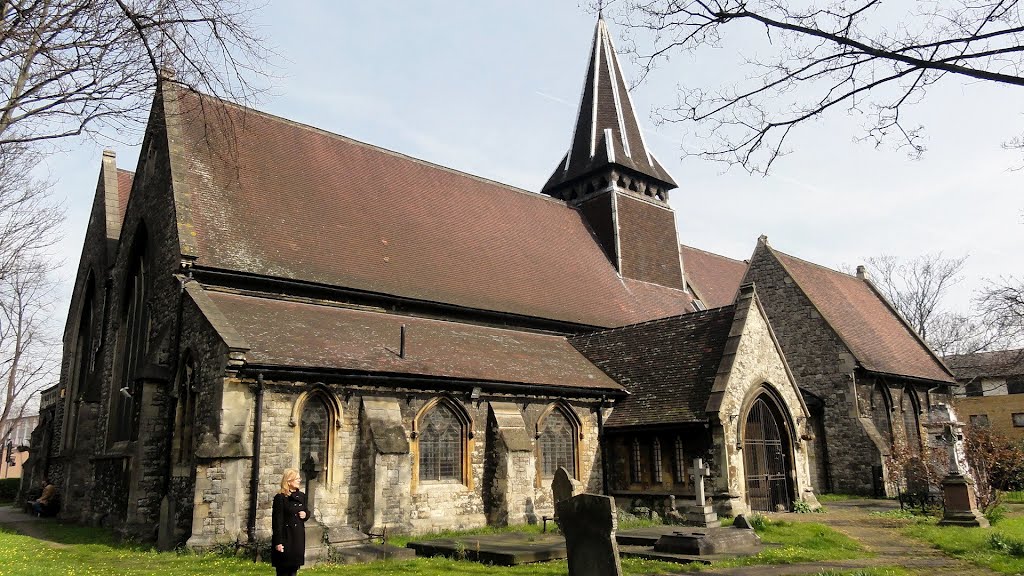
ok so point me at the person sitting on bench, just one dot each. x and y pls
(46, 503)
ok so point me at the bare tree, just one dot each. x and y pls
(69, 67)
(29, 222)
(1001, 302)
(856, 56)
(917, 288)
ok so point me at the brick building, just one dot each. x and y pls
(992, 392)
(261, 294)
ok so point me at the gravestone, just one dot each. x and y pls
(315, 532)
(588, 523)
(564, 486)
(700, 514)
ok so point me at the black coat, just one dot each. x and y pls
(289, 530)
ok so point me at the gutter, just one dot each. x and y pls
(399, 380)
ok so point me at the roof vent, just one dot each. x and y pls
(862, 272)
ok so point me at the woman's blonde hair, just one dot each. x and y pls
(286, 478)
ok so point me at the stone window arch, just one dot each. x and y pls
(81, 365)
(442, 430)
(881, 412)
(130, 347)
(316, 415)
(186, 386)
(656, 461)
(558, 433)
(911, 408)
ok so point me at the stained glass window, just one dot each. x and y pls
(556, 444)
(313, 432)
(440, 440)
(185, 413)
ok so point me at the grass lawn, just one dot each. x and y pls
(826, 498)
(1000, 548)
(78, 551)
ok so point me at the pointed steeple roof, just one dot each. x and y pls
(607, 131)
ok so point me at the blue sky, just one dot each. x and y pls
(491, 88)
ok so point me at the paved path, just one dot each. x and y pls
(14, 519)
(878, 534)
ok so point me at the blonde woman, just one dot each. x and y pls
(289, 536)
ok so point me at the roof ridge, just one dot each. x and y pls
(707, 312)
(737, 260)
(395, 153)
(815, 264)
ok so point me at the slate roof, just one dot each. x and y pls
(876, 335)
(607, 130)
(997, 364)
(295, 334)
(271, 197)
(713, 278)
(668, 365)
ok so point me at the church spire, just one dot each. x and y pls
(607, 146)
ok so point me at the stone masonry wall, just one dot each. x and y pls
(758, 365)
(821, 365)
(350, 496)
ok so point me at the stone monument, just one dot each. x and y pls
(700, 514)
(564, 486)
(961, 503)
(588, 523)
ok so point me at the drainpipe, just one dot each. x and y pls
(601, 443)
(254, 479)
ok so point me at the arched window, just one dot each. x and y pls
(880, 413)
(314, 431)
(81, 367)
(556, 443)
(910, 421)
(184, 417)
(440, 434)
(131, 349)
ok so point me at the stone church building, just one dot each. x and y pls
(428, 346)
(868, 380)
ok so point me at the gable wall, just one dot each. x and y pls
(757, 362)
(68, 468)
(123, 480)
(823, 366)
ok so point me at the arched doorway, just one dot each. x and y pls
(767, 457)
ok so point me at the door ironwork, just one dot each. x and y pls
(765, 460)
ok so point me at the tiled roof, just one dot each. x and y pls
(607, 130)
(1000, 363)
(124, 188)
(874, 332)
(276, 198)
(713, 278)
(305, 335)
(668, 365)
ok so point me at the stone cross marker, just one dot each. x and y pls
(700, 471)
(699, 513)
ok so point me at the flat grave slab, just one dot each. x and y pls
(501, 549)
